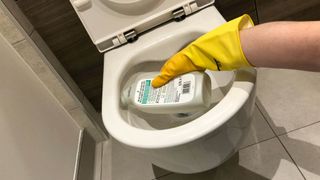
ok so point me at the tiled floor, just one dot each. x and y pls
(283, 143)
(291, 98)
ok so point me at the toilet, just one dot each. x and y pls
(138, 36)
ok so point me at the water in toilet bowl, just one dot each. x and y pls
(220, 82)
(182, 96)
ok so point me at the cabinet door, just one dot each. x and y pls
(38, 139)
(231, 9)
(271, 10)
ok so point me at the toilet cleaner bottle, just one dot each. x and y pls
(185, 94)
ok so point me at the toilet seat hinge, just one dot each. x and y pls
(128, 36)
(131, 36)
(182, 12)
(179, 14)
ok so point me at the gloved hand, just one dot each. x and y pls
(220, 49)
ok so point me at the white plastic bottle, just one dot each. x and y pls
(186, 93)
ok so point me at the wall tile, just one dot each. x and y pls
(277, 10)
(18, 15)
(8, 29)
(35, 61)
(60, 27)
(231, 9)
(308, 14)
(53, 62)
(97, 117)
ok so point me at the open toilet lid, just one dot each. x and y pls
(111, 23)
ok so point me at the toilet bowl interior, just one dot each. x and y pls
(132, 7)
(221, 84)
(151, 59)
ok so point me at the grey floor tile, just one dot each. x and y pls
(259, 130)
(119, 163)
(266, 160)
(304, 147)
(291, 98)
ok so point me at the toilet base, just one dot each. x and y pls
(207, 152)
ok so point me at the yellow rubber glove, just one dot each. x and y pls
(219, 49)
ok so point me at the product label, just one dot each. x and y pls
(179, 90)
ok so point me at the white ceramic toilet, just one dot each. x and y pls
(183, 143)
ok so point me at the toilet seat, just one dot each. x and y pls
(113, 23)
(131, 55)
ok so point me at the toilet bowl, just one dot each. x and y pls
(183, 143)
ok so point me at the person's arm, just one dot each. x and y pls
(290, 45)
(237, 44)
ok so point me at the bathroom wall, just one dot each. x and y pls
(297, 10)
(53, 127)
(231, 9)
(30, 45)
(59, 26)
(39, 140)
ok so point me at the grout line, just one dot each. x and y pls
(73, 108)
(78, 155)
(163, 176)
(291, 158)
(298, 128)
(31, 32)
(101, 162)
(17, 42)
(264, 116)
(257, 13)
(256, 143)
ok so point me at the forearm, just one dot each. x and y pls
(292, 45)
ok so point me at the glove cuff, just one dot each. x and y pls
(221, 46)
(231, 54)
(245, 22)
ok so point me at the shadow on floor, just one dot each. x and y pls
(232, 170)
(304, 154)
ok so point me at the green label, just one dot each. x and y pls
(146, 92)
(179, 90)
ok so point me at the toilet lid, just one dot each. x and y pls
(111, 23)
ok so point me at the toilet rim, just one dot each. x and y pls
(154, 139)
(118, 61)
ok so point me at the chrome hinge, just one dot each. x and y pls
(131, 36)
(179, 14)
(128, 36)
(182, 12)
